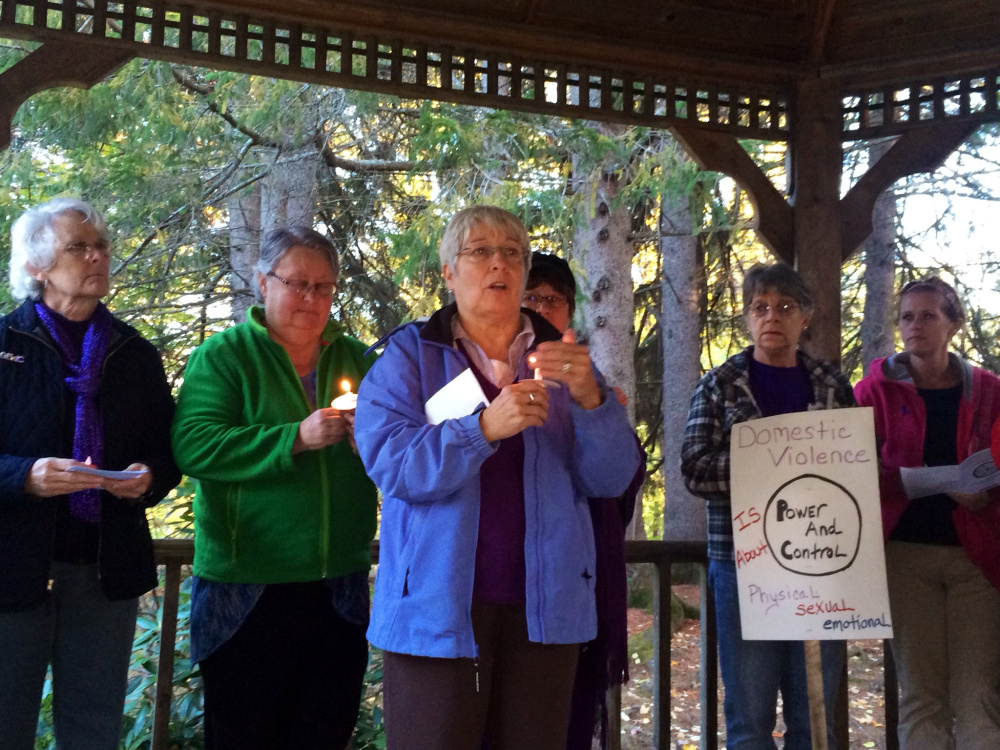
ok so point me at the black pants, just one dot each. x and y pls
(516, 696)
(290, 677)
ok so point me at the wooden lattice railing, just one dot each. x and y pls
(906, 106)
(414, 68)
(176, 556)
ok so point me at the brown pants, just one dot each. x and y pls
(515, 696)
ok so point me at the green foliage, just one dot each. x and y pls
(187, 706)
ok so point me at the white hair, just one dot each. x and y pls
(462, 223)
(32, 241)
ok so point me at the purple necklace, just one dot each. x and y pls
(84, 380)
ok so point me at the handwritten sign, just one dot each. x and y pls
(807, 527)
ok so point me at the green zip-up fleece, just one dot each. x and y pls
(261, 514)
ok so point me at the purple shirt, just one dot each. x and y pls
(780, 390)
(499, 577)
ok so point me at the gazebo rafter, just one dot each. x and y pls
(811, 73)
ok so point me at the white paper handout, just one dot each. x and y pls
(459, 398)
(807, 527)
(106, 473)
(977, 473)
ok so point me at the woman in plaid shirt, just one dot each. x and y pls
(770, 377)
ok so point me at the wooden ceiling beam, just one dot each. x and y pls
(720, 152)
(862, 74)
(920, 150)
(822, 20)
(64, 63)
(488, 34)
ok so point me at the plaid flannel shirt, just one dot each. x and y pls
(721, 400)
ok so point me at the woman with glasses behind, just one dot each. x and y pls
(942, 553)
(284, 513)
(485, 584)
(603, 664)
(79, 390)
(770, 377)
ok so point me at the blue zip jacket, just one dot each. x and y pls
(429, 477)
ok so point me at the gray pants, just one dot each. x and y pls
(946, 620)
(88, 640)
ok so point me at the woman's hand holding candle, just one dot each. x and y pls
(569, 362)
(321, 428)
(519, 405)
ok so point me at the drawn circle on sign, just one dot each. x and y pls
(812, 526)
(986, 469)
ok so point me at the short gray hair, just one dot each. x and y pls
(781, 278)
(278, 242)
(32, 241)
(461, 225)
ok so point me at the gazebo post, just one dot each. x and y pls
(816, 167)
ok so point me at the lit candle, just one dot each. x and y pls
(531, 361)
(547, 382)
(348, 401)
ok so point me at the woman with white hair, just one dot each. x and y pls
(79, 391)
(284, 513)
(486, 573)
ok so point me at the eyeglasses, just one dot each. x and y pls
(782, 309)
(554, 301)
(101, 247)
(303, 288)
(484, 254)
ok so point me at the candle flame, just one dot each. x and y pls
(345, 385)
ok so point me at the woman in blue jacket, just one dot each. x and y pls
(485, 585)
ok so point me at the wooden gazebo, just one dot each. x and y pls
(814, 73)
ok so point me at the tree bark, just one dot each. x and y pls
(879, 251)
(604, 245)
(289, 193)
(244, 249)
(682, 282)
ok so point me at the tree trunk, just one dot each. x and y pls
(244, 249)
(286, 197)
(683, 278)
(877, 324)
(604, 245)
(289, 193)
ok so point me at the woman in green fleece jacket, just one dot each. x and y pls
(284, 512)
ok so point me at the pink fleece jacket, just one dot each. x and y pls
(996, 443)
(900, 424)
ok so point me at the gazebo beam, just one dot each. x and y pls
(816, 157)
(916, 151)
(720, 152)
(54, 64)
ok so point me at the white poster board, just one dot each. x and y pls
(807, 527)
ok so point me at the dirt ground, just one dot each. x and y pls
(866, 689)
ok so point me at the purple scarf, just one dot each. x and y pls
(83, 379)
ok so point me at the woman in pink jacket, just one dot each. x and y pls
(933, 408)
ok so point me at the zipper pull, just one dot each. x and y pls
(475, 664)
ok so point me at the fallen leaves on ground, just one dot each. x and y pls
(866, 690)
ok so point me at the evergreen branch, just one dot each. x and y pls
(205, 91)
(366, 166)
